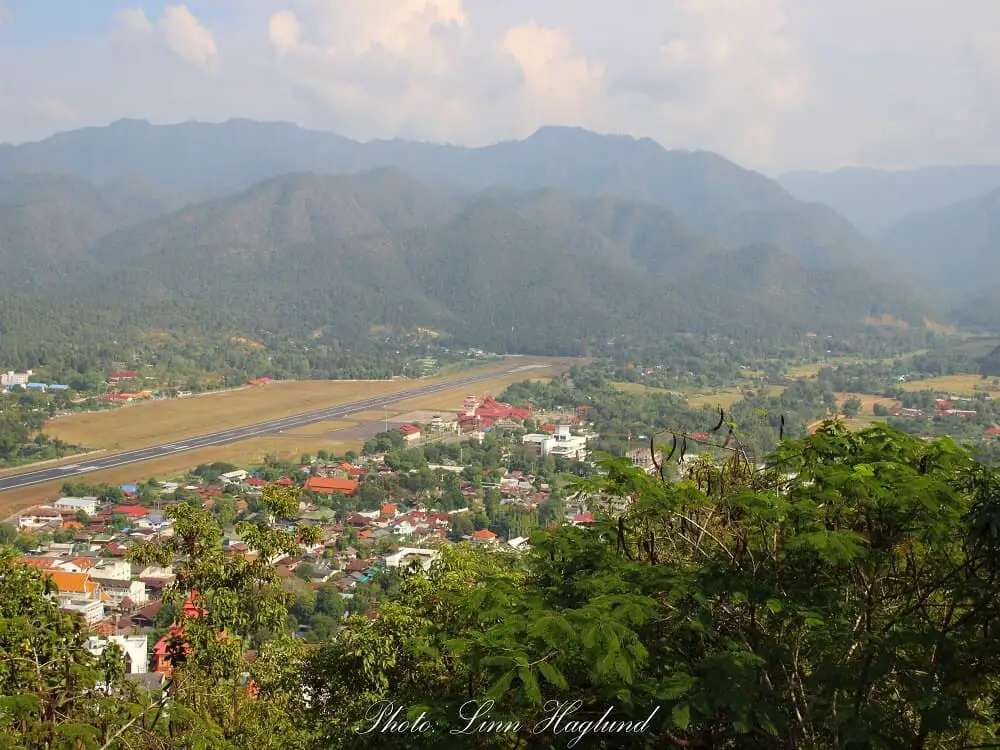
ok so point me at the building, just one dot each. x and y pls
(10, 378)
(411, 433)
(39, 516)
(134, 647)
(78, 592)
(87, 504)
(117, 590)
(408, 555)
(332, 486)
(484, 536)
(232, 477)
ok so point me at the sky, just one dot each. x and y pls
(774, 85)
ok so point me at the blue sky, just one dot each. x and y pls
(772, 84)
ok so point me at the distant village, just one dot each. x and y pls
(87, 536)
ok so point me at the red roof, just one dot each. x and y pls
(331, 485)
(132, 511)
(123, 375)
(255, 482)
(484, 534)
(583, 518)
(285, 482)
(409, 429)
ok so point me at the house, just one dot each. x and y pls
(134, 647)
(411, 433)
(234, 477)
(519, 543)
(77, 592)
(410, 555)
(118, 590)
(484, 536)
(133, 512)
(39, 516)
(332, 486)
(74, 504)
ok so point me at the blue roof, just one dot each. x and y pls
(129, 488)
(59, 387)
(37, 385)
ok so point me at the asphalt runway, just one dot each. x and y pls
(236, 434)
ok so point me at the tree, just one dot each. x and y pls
(8, 533)
(852, 407)
(462, 525)
(304, 571)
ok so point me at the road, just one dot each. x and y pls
(236, 434)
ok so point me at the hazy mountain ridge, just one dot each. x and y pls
(526, 245)
(874, 200)
(192, 162)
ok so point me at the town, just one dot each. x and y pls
(376, 512)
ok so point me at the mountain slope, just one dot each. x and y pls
(48, 221)
(197, 161)
(953, 253)
(873, 200)
(290, 209)
(546, 272)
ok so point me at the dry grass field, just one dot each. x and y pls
(725, 399)
(868, 401)
(166, 421)
(637, 388)
(959, 385)
(159, 422)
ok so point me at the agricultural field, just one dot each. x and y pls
(637, 388)
(868, 401)
(724, 399)
(960, 385)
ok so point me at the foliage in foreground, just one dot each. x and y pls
(842, 598)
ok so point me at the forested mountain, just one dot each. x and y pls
(195, 161)
(290, 209)
(557, 243)
(48, 221)
(545, 272)
(875, 199)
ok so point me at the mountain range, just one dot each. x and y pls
(551, 243)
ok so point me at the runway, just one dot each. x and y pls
(236, 434)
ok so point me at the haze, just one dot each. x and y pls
(773, 84)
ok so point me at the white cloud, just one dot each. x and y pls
(187, 38)
(134, 21)
(774, 84)
(284, 30)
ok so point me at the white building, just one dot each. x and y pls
(231, 477)
(39, 516)
(92, 610)
(11, 378)
(519, 543)
(118, 590)
(87, 504)
(407, 555)
(135, 648)
(562, 444)
(112, 569)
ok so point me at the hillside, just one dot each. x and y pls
(48, 221)
(873, 200)
(951, 253)
(193, 162)
(290, 209)
(545, 272)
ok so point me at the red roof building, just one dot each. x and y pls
(331, 486)
(132, 511)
